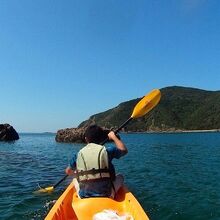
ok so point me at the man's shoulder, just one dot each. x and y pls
(114, 152)
(110, 149)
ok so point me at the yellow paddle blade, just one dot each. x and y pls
(45, 190)
(146, 104)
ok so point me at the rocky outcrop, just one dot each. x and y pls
(75, 135)
(180, 108)
(8, 133)
(70, 135)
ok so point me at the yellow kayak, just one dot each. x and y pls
(70, 207)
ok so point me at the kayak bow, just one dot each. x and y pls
(70, 207)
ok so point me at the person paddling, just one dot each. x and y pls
(95, 173)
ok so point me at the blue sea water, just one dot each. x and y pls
(173, 176)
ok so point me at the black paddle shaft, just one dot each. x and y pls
(116, 131)
(60, 181)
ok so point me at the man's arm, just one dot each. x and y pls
(119, 144)
(70, 170)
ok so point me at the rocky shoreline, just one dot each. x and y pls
(76, 135)
(171, 132)
(192, 131)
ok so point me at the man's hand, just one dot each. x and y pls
(112, 136)
(69, 171)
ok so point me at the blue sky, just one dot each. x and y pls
(63, 61)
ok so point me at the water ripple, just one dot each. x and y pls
(173, 176)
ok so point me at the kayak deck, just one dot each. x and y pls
(85, 209)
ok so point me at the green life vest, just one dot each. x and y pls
(92, 163)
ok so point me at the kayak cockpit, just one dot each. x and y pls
(70, 207)
(123, 204)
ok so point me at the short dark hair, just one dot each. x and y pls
(94, 134)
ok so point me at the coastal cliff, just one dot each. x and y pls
(180, 109)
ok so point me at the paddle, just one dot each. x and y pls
(51, 188)
(147, 103)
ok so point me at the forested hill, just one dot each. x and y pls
(180, 108)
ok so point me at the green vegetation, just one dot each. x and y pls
(180, 108)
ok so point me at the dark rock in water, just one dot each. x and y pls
(8, 133)
(75, 135)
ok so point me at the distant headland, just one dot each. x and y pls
(181, 109)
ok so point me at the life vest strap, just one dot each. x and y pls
(92, 171)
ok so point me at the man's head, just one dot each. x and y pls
(94, 134)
